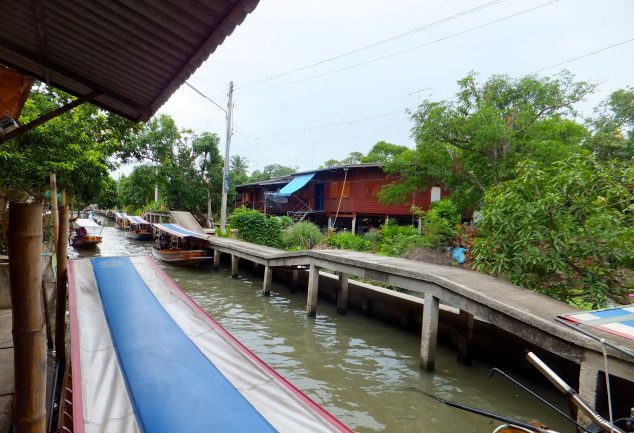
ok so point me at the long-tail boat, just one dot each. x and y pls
(178, 245)
(119, 220)
(146, 358)
(137, 228)
(86, 233)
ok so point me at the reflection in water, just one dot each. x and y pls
(363, 371)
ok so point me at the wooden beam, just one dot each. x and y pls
(46, 117)
(465, 337)
(342, 293)
(313, 288)
(60, 312)
(268, 278)
(29, 335)
(234, 265)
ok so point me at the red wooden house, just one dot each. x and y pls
(343, 197)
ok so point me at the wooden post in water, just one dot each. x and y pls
(54, 217)
(313, 288)
(60, 303)
(465, 337)
(429, 332)
(216, 259)
(342, 294)
(29, 335)
(234, 266)
(268, 278)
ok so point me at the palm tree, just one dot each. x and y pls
(239, 165)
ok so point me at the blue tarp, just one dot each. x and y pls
(173, 386)
(297, 183)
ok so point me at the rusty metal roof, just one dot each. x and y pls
(133, 54)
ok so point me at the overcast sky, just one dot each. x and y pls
(283, 124)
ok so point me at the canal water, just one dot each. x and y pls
(361, 370)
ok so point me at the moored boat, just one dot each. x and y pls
(177, 245)
(136, 227)
(86, 233)
(133, 330)
(119, 220)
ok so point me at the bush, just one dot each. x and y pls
(304, 235)
(253, 226)
(286, 221)
(566, 230)
(374, 237)
(348, 241)
(440, 223)
(398, 240)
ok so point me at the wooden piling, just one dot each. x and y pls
(216, 260)
(342, 294)
(429, 332)
(234, 266)
(29, 335)
(60, 303)
(465, 337)
(268, 278)
(313, 288)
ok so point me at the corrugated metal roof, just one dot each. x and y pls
(133, 54)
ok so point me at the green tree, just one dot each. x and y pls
(239, 165)
(476, 141)
(137, 189)
(205, 146)
(383, 152)
(613, 127)
(271, 171)
(566, 230)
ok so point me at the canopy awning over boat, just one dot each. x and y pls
(120, 215)
(85, 222)
(181, 232)
(174, 367)
(136, 220)
(297, 183)
(617, 321)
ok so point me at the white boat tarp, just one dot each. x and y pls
(166, 341)
(85, 222)
(136, 220)
(181, 232)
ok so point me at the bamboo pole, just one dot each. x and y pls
(29, 337)
(60, 304)
(54, 207)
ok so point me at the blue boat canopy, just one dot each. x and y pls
(297, 183)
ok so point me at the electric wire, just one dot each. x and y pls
(376, 59)
(375, 44)
(204, 96)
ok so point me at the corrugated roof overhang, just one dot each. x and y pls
(132, 54)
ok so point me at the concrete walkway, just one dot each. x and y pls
(519, 311)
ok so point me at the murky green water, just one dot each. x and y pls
(363, 371)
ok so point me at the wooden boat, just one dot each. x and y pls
(134, 331)
(177, 245)
(86, 233)
(136, 227)
(119, 220)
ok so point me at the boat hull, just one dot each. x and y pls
(86, 241)
(181, 257)
(138, 235)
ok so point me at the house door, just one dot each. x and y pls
(319, 196)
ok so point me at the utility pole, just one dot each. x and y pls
(225, 178)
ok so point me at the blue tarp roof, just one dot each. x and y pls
(297, 183)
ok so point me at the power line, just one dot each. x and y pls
(381, 42)
(331, 125)
(376, 59)
(584, 55)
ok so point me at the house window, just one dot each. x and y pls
(335, 189)
(435, 193)
(372, 189)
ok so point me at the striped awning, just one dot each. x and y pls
(136, 220)
(181, 232)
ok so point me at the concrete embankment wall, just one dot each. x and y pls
(502, 349)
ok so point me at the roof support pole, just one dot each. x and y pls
(60, 313)
(29, 336)
(46, 117)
